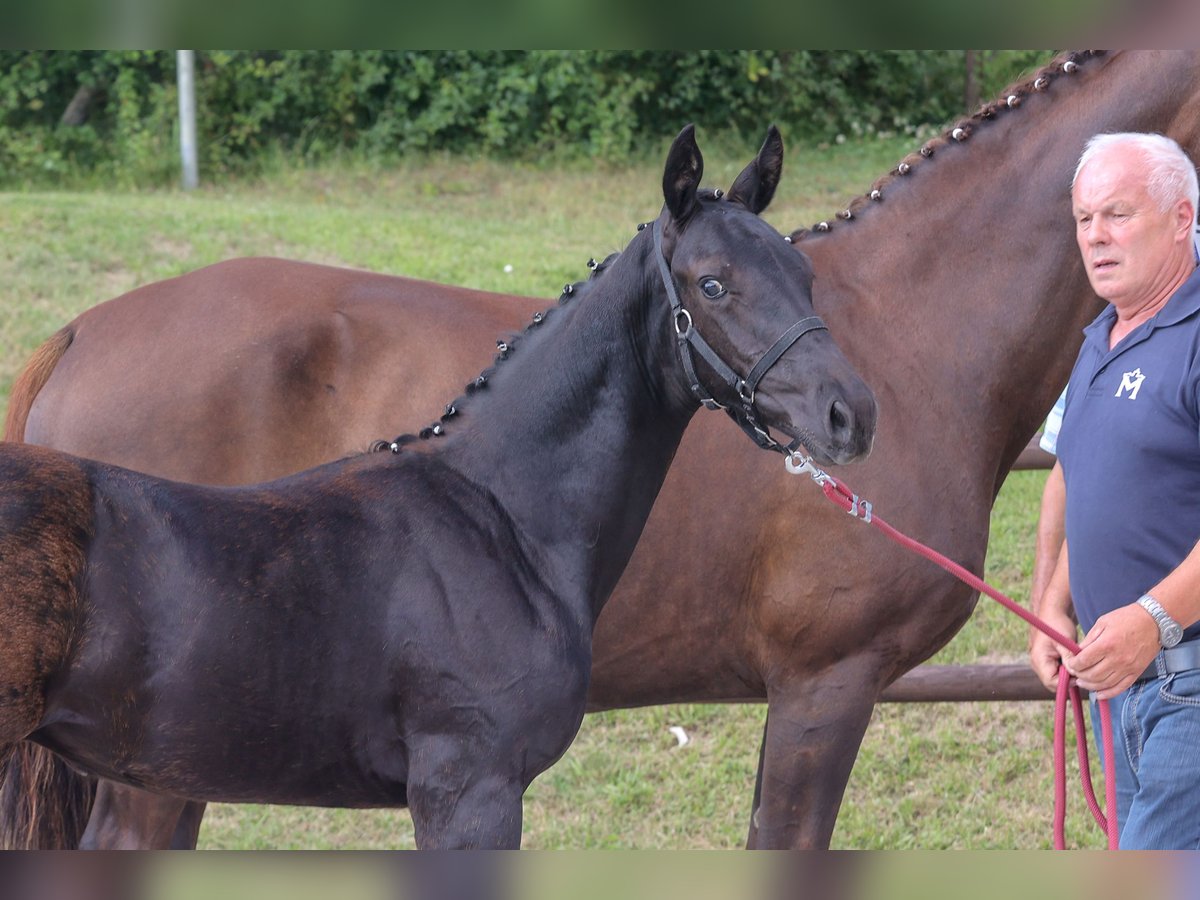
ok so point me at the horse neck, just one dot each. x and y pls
(574, 432)
(960, 296)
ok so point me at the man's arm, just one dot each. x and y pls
(1051, 533)
(1053, 608)
(1123, 642)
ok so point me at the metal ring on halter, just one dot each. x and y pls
(680, 314)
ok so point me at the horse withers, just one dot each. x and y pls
(412, 627)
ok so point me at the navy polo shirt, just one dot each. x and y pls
(1130, 452)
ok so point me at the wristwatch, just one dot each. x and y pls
(1170, 632)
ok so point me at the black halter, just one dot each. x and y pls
(688, 339)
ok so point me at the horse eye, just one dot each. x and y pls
(712, 288)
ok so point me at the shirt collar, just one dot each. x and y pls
(1182, 304)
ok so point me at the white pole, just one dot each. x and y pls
(185, 64)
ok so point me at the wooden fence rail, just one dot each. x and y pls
(955, 684)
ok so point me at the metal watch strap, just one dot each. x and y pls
(1169, 631)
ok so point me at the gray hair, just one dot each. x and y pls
(1170, 174)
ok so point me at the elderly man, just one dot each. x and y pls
(1129, 462)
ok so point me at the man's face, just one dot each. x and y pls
(1131, 249)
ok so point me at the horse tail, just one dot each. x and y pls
(32, 379)
(44, 803)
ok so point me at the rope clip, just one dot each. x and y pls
(860, 508)
(798, 464)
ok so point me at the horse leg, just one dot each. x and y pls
(461, 795)
(812, 737)
(187, 832)
(125, 818)
(482, 814)
(752, 835)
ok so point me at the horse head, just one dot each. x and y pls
(741, 297)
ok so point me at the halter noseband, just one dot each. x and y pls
(689, 339)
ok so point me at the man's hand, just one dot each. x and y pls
(1045, 655)
(1115, 652)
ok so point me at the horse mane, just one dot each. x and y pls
(1009, 100)
(505, 346)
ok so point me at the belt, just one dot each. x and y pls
(1180, 658)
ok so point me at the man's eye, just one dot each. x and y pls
(712, 288)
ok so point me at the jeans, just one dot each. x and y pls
(1156, 745)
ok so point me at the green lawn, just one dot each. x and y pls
(953, 775)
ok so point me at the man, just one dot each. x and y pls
(1129, 461)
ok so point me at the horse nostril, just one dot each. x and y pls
(840, 418)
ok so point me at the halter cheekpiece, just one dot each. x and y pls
(687, 339)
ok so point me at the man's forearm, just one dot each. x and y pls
(1050, 535)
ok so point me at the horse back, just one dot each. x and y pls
(299, 361)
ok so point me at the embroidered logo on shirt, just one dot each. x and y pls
(1131, 383)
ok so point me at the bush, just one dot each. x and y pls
(594, 104)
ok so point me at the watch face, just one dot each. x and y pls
(1171, 635)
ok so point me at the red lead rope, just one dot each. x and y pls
(851, 503)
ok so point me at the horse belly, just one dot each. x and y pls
(323, 702)
(284, 730)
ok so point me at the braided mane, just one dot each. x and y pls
(505, 346)
(1010, 99)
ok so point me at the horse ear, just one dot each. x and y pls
(755, 187)
(681, 177)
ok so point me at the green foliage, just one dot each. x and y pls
(313, 105)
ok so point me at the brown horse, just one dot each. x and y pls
(413, 628)
(957, 291)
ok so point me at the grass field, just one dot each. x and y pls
(934, 776)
